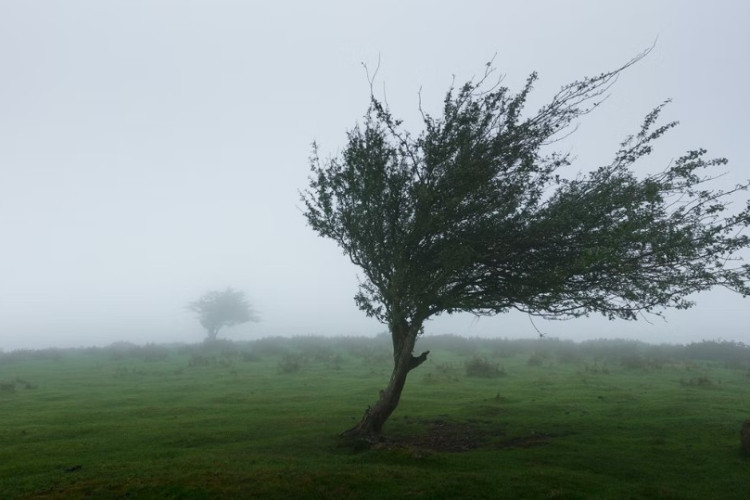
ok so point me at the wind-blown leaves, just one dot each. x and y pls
(470, 215)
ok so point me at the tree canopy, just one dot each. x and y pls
(473, 213)
(219, 309)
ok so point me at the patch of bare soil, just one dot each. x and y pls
(456, 437)
(443, 436)
(450, 436)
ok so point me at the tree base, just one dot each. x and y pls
(357, 441)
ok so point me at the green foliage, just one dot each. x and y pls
(481, 367)
(701, 381)
(219, 309)
(536, 359)
(473, 214)
(442, 373)
(290, 363)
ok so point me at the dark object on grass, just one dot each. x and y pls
(480, 367)
(745, 437)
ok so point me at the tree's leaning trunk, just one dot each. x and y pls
(371, 425)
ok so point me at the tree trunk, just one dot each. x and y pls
(371, 425)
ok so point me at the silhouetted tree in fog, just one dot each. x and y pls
(473, 214)
(219, 309)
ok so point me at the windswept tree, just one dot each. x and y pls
(219, 309)
(474, 214)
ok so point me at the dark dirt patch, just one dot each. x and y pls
(451, 436)
(445, 436)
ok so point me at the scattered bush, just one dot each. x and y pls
(270, 346)
(201, 360)
(250, 356)
(702, 381)
(11, 384)
(596, 369)
(481, 367)
(372, 355)
(25, 383)
(153, 352)
(536, 359)
(120, 350)
(636, 362)
(336, 361)
(290, 363)
(443, 372)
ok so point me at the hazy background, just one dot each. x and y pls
(153, 150)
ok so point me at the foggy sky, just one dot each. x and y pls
(153, 150)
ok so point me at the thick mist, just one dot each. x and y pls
(152, 151)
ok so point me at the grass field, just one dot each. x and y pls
(543, 419)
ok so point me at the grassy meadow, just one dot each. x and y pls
(482, 418)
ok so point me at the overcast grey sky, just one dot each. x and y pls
(153, 150)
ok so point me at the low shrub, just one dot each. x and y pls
(596, 369)
(481, 367)
(201, 360)
(336, 361)
(250, 356)
(290, 363)
(154, 352)
(702, 381)
(9, 386)
(443, 372)
(536, 359)
(636, 362)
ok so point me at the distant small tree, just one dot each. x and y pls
(217, 309)
(474, 214)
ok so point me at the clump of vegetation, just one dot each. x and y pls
(250, 356)
(11, 384)
(154, 352)
(443, 372)
(596, 369)
(126, 350)
(371, 354)
(290, 363)
(481, 367)
(201, 360)
(636, 362)
(536, 359)
(336, 361)
(701, 381)
(120, 350)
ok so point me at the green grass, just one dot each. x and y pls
(191, 422)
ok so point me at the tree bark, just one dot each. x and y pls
(370, 426)
(212, 334)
